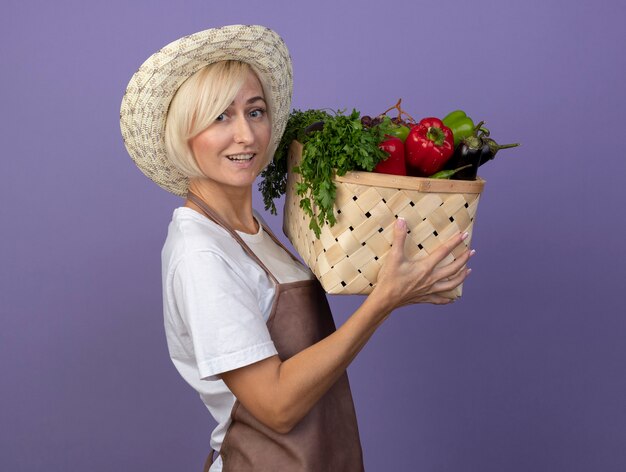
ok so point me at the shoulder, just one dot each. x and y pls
(197, 249)
(196, 231)
(190, 233)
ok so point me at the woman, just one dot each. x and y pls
(247, 325)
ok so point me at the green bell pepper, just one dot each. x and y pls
(461, 125)
(396, 130)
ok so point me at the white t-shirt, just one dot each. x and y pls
(216, 302)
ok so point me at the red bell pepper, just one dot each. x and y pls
(428, 147)
(395, 163)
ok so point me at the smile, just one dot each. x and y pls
(240, 157)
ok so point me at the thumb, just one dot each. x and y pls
(399, 237)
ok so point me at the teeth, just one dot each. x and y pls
(241, 157)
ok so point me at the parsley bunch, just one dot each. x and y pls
(342, 145)
(274, 175)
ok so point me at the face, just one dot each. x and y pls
(232, 151)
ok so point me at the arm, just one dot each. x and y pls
(279, 394)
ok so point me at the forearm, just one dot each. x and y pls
(306, 377)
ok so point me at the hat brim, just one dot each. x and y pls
(147, 99)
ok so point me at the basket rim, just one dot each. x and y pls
(420, 184)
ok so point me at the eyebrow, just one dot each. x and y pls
(251, 100)
(254, 99)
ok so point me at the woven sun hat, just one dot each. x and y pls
(147, 99)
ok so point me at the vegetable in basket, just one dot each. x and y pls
(428, 147)
(274, 176)
(334, 144)
(399, 131)
(460, 124)
(343, 144)
(395, 163)
(446, 174)
(397, 126)
(331, 142)
(473, 152)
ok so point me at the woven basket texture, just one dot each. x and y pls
(347, 256)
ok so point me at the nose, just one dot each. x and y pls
(242, 133)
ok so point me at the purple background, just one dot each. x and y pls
(527, 372)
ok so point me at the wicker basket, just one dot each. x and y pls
(347, 256)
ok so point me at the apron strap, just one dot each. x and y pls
(208, 462)
(277, 241)
(220, 222)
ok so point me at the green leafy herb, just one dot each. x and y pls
(274, 177)
(342, 145)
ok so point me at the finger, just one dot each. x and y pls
(451, 283)
(439, 300)
(431, 298)
(453, 268)
(446, 248)
(399, 238)
(457, 272)
(445, 279)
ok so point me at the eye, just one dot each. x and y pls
(257, 113)
(221, 117)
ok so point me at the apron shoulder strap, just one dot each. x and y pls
(277, 241)
(219, 221)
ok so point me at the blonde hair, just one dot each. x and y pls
(196, 105)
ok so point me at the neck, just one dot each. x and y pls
(232, 204)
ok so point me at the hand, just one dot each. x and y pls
(404, 281)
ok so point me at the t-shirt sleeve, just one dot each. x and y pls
(221, 313)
